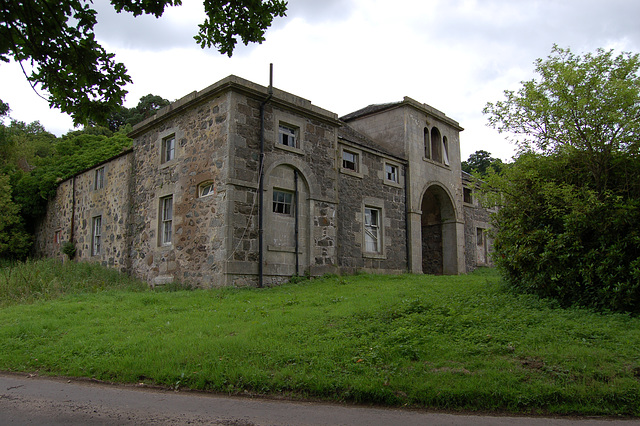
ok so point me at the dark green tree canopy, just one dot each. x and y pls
(56, 39)
(480, 162)
(147, 106)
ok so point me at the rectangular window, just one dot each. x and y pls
(282, 202)
(98, 182)
(205, 189)
(168, 148)
(350, 161)
(166, 213)
(96, 237)
(288, 136)
(391, 172)
(57, 237)
(372, 230)
(468, 198)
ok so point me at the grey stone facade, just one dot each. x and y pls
(379, 190)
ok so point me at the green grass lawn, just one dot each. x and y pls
(455, 343)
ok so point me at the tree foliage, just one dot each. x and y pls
(567, 227)
(32, 163)
(147, 106)
(57, 39)
(480, 162)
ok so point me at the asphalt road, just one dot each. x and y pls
(32, 400)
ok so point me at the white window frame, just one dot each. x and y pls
(98, 181)
(166, 220)
(288, 135)
(206, 189)
(372, 230)
(283, 202)
(391, 172)
(96, 235)
(346, 161)
(168, 148)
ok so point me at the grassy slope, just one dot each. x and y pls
(444, 342)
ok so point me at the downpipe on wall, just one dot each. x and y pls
(261, 184)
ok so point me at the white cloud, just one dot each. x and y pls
(455, 55)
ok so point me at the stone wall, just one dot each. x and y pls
(312, 162)
(368, 187)
(111, 203)
(197, 252)
(477, 248)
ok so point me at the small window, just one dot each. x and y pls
(468, 198)
(372, 230)
(57, 237)
(282, 202)
(166, 211)
(436, 145)
(96, 237)
(205, 189)
(168, 148)
(427, 144)
(445, 151)
(98, 182)
(480, 236)
(350, 161)
(391, 172)
(288, 135)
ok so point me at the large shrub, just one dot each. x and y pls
(568, 224)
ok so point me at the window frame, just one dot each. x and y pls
(372, 230)
(355, 161)
(96, 235)
(284, 206)
(467, 199)
(290, 132)
(166, 221)
(168, 149)
(395, 171)
(98, 178)
(206, 184)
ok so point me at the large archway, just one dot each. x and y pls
(438, 226)
(287, 225)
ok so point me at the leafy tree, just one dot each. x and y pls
(82, 78)
(480, 162)
(147, 106)
(14, 241)
(570, 203)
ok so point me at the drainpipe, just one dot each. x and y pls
(406, 217)
(296, 196)
(261, 184)
(73, 208)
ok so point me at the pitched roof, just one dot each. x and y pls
(348, 133)
(369, 110)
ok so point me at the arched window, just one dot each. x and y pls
(445, 150)
(436, 145)
(427, 148)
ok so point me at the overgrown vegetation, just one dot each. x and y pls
(570, 203)
(33, 162)
(32, 281)
(455, 343)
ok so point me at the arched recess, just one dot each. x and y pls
(439, 232)
(436, 145)
(287, 221)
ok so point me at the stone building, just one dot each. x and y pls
(379, 190)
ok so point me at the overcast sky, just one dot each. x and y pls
(342, 55)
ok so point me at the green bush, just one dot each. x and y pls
(565, 241)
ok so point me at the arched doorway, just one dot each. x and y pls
(287, 226)
(439, 241)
